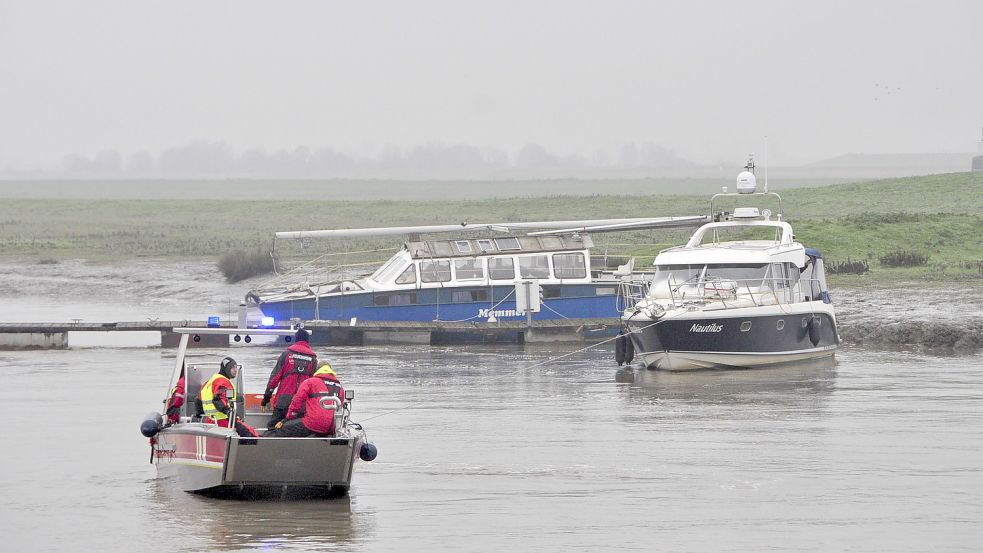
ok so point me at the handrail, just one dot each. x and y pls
(781, 211)
(766, 287)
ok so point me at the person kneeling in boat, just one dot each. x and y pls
(294, 366)
(312, 411)
(218, 395)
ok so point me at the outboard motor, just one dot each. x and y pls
(151, 425)
(368, 452)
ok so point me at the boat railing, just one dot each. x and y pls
(630, 292)
(609, 256)
(737, 293)
(324, 269)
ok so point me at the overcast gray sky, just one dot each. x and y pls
(707, 79)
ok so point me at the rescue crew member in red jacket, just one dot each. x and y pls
(312, 411)
(294, 366)
(173, 408)
(216, 401)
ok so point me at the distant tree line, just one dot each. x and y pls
(205, 158)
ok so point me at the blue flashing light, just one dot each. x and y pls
(214, 321)
(267, 321)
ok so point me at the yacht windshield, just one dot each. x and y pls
(676, 275)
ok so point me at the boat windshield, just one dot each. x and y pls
(389, 270)
(676, 275)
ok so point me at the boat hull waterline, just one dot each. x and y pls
(689, 340)
(210, 460)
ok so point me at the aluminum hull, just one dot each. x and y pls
(210, 460)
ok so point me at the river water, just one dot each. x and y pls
(497, 449)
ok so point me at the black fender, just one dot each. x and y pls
(620, 348)
(813, 328)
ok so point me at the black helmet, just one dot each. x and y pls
(302, 335)
(226, 366)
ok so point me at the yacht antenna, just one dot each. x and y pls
(750, 163)
(766, 164)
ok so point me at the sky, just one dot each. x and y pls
(710, 80)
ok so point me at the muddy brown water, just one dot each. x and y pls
(494, 449)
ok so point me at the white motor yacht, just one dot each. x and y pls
(741, 293)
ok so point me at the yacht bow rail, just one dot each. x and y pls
(731, 293)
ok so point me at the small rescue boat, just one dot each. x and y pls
(208, 459)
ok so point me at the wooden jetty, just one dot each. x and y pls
(55, 335)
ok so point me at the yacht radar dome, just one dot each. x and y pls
(746, 183)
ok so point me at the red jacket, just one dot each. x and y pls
(174, 403)
(294, 366)
(318, 418)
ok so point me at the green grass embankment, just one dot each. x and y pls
(937, 215)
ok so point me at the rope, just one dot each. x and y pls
(534, 365)
(554, 311)
(509, 295)
(592, 346)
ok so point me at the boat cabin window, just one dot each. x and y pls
(742, 273)
(468, 269)
(507, 244)
(784, 275)
(467, 296)
(463, 246)
(394, 299)
(569, 265)
(435, 271)
(534, 266)
(501, 268)
(552, 291)
(390, 269)
(675, 275)
(742, 234)
(408, 276)
(486, 245)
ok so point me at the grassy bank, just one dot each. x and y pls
(939, 216)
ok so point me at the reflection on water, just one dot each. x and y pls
(231, 525)
(804, 382)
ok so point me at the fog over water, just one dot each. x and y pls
(680, 83)
(493, 448)
(503, 448)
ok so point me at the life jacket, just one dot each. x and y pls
(300, 359)
(208, 396)
(298, 364)
(333, 390)
(312, 402)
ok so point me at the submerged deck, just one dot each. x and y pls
(55, 335)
